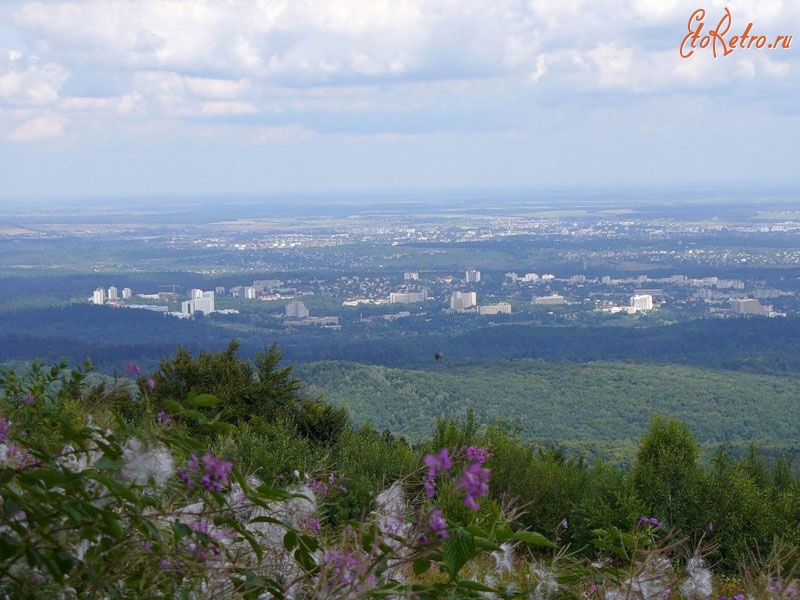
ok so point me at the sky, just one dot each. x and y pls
(117, 98)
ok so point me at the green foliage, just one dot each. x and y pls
(666, 475)
(595, 402)
(265, 391)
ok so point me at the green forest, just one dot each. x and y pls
(604, 401)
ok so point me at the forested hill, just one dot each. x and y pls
(112, 336)
(560, 401)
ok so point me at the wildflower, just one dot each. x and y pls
(193, 464)
(3, 430)
(474, 482)
(216, 472)
(133, 369)
(710, 527)
(429, 486)
(437, 525)
(477, 454)
(564, 523)
(310, 525)
(151, 384)
(648, 521)
(141, 465)
(438, 463)
(200, 526)
(164, 418)
(30, 399)
(346, 567)
(319, 488)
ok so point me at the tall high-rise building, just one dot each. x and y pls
(250, 293)
(747, 306)
(463, 300)
(642, 302)
(472, 276)
(200, 302)
(127, 293)
(296, 310)
(112, 293)
(99, 296)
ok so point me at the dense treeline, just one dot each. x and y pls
(741, 504)
(754, 345)
(564, 401)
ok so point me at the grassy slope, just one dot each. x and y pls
(593, 401)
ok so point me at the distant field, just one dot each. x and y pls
(610, 401)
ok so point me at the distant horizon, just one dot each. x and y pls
(423, 193)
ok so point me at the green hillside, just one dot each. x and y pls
(592, 401)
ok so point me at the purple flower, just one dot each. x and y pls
(185, 478)
(648, 521)
(30, 399)
(438, 463)
(738, 597)
(151, 384)
(193, 463)
(133, 369)
(653, 521)
(429, 486)
(164, 418)
(474, 482)
(593, 590)
(345, 567)
(710, 527)
(564, 523)
(477, 454)
(437, 525)
(319, 488)
(216, 472)
(200, 526)
(312, 525)
(3, 430)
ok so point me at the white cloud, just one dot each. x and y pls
(34, 85)
(46, 127)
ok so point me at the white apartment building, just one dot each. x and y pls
(463, 300)
(201, 301)
(642, 302)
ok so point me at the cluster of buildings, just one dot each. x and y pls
(100, 295)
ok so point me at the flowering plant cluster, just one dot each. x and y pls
(95, 506)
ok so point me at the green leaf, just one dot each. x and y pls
(113, 525)
(205, 400)
(474, 585)
(485, 544)
(174, 407)
(459, 549)
(533, 538)
(109, 464)
(421, 565)
(290, 541)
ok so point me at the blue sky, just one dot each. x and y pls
(118, 98)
